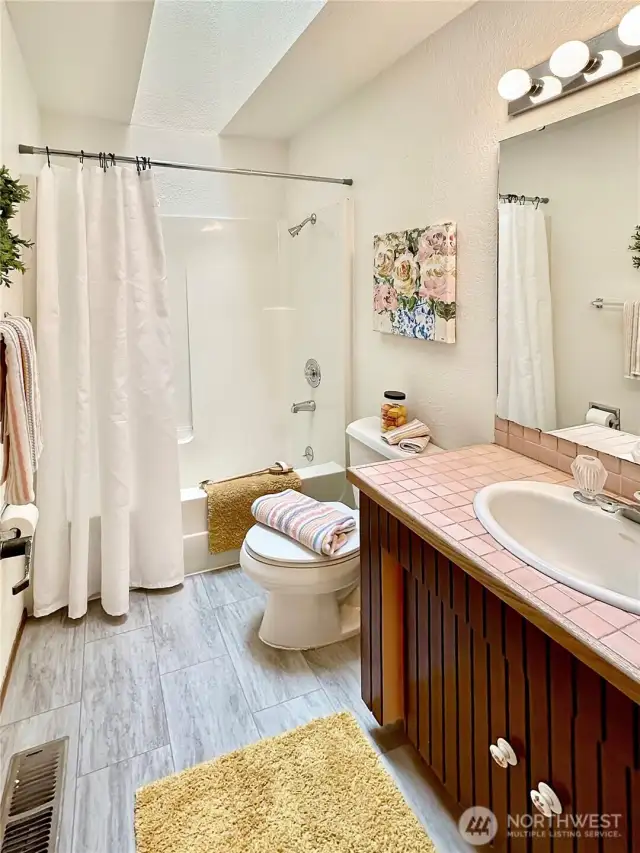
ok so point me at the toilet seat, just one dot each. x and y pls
(272, 548)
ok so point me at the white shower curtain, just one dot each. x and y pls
(108, 484)
(526, 373)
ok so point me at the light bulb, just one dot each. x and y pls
(515, 84)
(551, 88)
(610, 62)
(629, 28)
(570, 59)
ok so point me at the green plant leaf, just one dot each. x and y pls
(12, 194)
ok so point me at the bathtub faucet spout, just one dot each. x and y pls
(306, 406)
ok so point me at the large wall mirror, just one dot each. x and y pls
(568, 291)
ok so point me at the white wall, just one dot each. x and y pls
(19, 119)
(421, 144)
(589, 167)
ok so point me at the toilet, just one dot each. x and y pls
(313, 600)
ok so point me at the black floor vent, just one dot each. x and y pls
(32, 798)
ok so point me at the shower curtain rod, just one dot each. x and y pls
(515, 199)
(165, 164)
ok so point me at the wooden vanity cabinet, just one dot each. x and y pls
(462, 668)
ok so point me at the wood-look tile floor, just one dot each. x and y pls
(179, 680)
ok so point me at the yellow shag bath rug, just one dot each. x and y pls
(317, 789)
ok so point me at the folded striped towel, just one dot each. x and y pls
(315, 525)
(632, 340)
(414, 445)
(414, 429)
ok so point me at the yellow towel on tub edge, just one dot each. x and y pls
(229, 505)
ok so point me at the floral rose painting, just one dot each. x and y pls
(414, 283)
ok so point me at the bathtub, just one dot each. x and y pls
(325, 482)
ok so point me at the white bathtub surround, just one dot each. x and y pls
(108, 486)
(526, 371)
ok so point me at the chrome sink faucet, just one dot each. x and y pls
(609, 504)
(305, 406)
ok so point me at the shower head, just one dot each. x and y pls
(298, 228)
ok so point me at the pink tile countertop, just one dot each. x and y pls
(438, 491)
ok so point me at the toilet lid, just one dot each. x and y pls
(270, 546)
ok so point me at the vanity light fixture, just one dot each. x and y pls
(516, 84)
(551, 88)
(571, 58)
(574, 65)
(610, 63)
(629, 28)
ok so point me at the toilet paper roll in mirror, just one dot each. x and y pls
(25, 518)
(597, 416)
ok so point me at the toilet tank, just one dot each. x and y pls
(366, 446)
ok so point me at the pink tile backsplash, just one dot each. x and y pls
(439, 490)
(629, 488)
(567, 448)
(516, 444)
(624, 476)
(532, 435)
(630, 470)
(611, 463)
(614, 483)
(531, 450)
(548, 456)
(502, 438)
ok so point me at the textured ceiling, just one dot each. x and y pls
(83, 58)
(347, 44)
(204, 58)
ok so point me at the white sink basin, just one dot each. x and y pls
(581, 546)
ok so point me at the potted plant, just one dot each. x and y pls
(12, 194)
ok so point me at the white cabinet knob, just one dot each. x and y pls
(502, 753)
(546, 800)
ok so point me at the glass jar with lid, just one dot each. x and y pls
(393, 412)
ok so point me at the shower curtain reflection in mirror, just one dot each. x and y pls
(526, 373)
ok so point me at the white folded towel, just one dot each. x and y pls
(414, 445)
(414, 429)
(632, 340)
